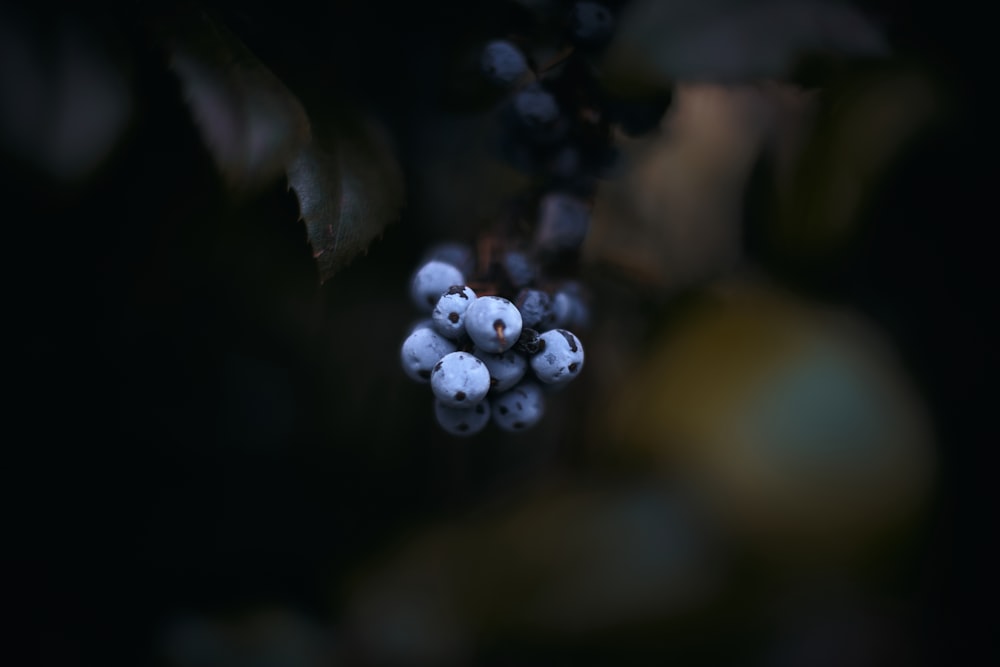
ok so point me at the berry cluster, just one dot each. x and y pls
(498, 333)
(484, 355)
(557, 113)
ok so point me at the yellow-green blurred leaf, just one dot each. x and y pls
(574, 561)
(795, 420)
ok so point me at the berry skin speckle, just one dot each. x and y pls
(562, 358)
(458, 381)
(520, 408)
(493, 323)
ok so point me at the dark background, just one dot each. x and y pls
(202, 426)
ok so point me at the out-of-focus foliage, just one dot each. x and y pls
(728, 41)
(795, 421)
(65, 93)
(574, 563)
(744, 474)
(251, 123)
(261, 638)
(674, 217)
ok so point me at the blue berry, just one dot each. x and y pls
(592, 22)
(563, 221)
(559, 358)
(536, 106)
(519, 408)
(460, 380)
(519, 268)
(503, 62)
(449, 313)
(432, 280)
(536, 309)
(462, 421)
(421, 350)
(570, 307)
(493, 323)
(505, 369)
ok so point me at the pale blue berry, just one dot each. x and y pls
(493, 323)
(460, 380)
(421, 350)
(505, 369)
(536, 309)
(449, 313)
(432, 280)
(559, 358)
(519, 408)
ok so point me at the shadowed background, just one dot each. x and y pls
(777, 455)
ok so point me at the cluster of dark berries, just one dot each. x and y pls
(557, 115)
(489, 357)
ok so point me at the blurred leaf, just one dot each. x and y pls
(572, 562)
(734, 40)
(250, 122)
(866, 121)
(349, 187)
(797, 421)
(339, 164)
(64, 96)
(673, 218)
(260, 638)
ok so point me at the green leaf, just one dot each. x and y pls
(339, 164)
(349, 186)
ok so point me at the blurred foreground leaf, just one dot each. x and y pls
(729, 41)
(796, 421)
(265, 638)
(574, 564)
(65, 98)
(250, 122)
(674, 217)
